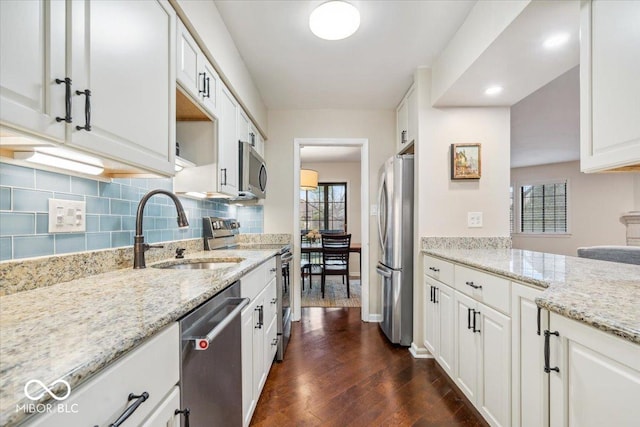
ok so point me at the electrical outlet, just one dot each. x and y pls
(67, 216)
(474, 219)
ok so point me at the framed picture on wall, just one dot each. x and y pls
(465, 161)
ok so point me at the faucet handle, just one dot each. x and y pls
(148, 246)
(180, 252)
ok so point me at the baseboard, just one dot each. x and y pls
(375, 318)
(419, 352)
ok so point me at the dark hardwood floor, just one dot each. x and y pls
(339, 371)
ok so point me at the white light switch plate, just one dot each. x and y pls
(474, 219)
(67, 216)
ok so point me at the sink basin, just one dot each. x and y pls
(209, 264)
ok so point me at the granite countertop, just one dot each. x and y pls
(602, 294)
(72, 330)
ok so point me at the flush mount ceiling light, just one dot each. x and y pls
(308, 179)
(556, 40)
(493, 90)
(334, 20)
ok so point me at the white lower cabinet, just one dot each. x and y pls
(153, 368)
(597, 381)
(483, 358)
(259, 332)
(439, 323)
(530, 385)
(165, 414)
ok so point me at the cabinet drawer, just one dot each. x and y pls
(270, 267)
(252, 283)
(439, 269)
(153, 367)
(486, 288)
(270, 302)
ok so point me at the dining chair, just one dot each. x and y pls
(335, 258)
(305, 262)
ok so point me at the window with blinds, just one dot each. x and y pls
(543, 208)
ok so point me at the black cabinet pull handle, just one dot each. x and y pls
(538, 320)
(472, 285)
(67, 100)
(260, 310)
(141, 398)
(435, 295)
(430, 293)
(474, 322)
(223, 172)
(208, 86)
(185, 412)
(403, 137)
(469, 310)
(87, 110)
(547, 351)
(204, 83)
(435, 270)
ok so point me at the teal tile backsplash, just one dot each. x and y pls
(111, 211)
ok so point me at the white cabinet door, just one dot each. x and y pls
(598, 382)
(494, 397)
(32, 41)
(431, 339)
(244, 125)
(248, 395)
(467, 359)
(228, 144)
(211, 85)
(123, 53)
(609, 85)
(445, 301)
(259, 375)
(402, 125)
(412, 116)
(187, 62)
(530, 385)
(165, 414)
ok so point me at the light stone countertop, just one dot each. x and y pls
(74, 329)
(602, 294)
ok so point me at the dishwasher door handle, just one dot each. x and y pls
(203, 342)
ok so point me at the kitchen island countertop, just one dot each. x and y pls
(73, 330)
(602, 294)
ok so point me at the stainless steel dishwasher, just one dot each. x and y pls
(211, 371)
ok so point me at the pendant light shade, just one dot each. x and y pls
(308, 179)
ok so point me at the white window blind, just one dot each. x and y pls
(543, 208)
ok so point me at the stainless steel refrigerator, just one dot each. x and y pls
(395, 232)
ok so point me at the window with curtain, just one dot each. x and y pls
(325, 208)
(543, 208)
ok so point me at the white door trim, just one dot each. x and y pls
(363, 143)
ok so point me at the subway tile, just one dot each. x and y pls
(93, 223)
(153, 236)
(52, 181)
(97, 205)
(98, 241)
(120, 207)
(31, 246)
(31, 200)
(5, 198)
(121, 238)
(161, 223)
(152, 210)
(129, 223)
(73, 242)
(169, 211)
(130, 193)
(110, 223)
(68, 196)
(12, 224)
(17, 176)
(167, 235)
(42, 223)
(84, 186)
(6, 250)
(123, 181)
(109, 189)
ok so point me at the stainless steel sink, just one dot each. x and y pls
(210, 264)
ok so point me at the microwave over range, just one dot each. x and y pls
(252, 173)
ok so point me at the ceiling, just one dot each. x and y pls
(332, 154)
(293, 69)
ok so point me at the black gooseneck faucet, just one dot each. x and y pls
(139, 246)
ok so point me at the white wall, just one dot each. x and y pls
(203, 16)
(378, 126)
(348, 172)
(595, 204)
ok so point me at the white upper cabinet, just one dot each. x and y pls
(609, 85)
(30, 98)
(407, 120)
(228, 144)
(244, 125)
(123, 71)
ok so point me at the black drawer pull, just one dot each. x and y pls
(547, 334)
(435, 270)
(185, 412)
(141, 398)
(472, 285)
(87, 110)
(67, 100)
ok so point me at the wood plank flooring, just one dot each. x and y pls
(339, 371)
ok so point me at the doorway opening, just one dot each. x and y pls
(339, 204)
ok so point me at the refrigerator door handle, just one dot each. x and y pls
(383, 272)
(380, 202)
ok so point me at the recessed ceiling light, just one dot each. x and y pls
(556, 40)
(493, 90)
(334, 20)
